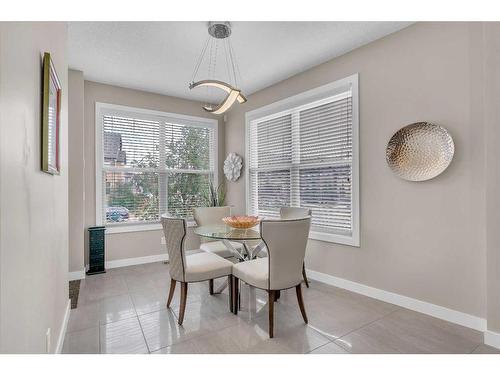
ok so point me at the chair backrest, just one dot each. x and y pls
(286, 242)
(294, 212)
(174, 230)
(210, 216)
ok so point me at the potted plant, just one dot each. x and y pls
(215, 196)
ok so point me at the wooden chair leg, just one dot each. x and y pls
(182, 308)
(211, 286)
(304, 275)
(171, 292)
(230, 292)
(298, 289)
(271, 297)
(277, 295)
(236, 285)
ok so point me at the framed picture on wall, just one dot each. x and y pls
(51, 117)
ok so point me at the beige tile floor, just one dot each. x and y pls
(123, 311)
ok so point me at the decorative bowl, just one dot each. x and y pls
(241, 222)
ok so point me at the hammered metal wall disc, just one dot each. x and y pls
(420, 151)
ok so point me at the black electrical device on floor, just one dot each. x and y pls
(96, 250)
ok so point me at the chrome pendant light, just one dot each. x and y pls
(219, 34)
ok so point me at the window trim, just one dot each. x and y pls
(303, 100)
(99, 107)
(141, 227)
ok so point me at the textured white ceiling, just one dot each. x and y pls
(160, 56)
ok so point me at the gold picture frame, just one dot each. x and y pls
(51, 117)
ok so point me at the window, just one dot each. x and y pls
(149, 163)
(303, 152)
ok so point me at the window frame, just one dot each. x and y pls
(304, 100)
(102, 108)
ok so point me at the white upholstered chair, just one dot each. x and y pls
(214, 216)
(296, 213)
(191, 268)
(286, 242)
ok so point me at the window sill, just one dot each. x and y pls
(115, 229)
(319, 236)
(335, 238)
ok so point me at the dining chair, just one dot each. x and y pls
(191, 268)
(214, 216)
(297, 213)
(286, 242)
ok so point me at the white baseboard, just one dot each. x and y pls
(427, 308)
(64, 326)
(134, 261)
(492, 339)
(141, 260)
(76, 275)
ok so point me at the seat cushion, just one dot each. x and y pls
(254, 272)
(218, 247)
(204, 266)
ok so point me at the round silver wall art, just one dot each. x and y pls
(420, 151)
(232, 166)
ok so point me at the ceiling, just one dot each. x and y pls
(160, 56)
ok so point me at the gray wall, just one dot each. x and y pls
(423, 240)
(33, 204)
(491, 95)
(76, 165)
(133, 244)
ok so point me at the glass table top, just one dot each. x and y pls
(225, 232)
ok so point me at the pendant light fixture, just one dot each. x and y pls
(218, 40)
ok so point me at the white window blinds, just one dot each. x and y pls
(303, 157)
(152, 164)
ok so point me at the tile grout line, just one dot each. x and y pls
(398, 308)
(210, 332)
(101, 323)
(197, 337)
(473, 350)
(83, 329)
(137, 317)
(133, 303)
(393, 312)
(143, 335)
(188, 340)
(330, 340)
(351, 331)
(176, 316)
(99, 339)
(365, 325)
(328, 343)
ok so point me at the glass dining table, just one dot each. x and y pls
(225, 233)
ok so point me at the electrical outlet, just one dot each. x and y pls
(47, 340)
(163, 242)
